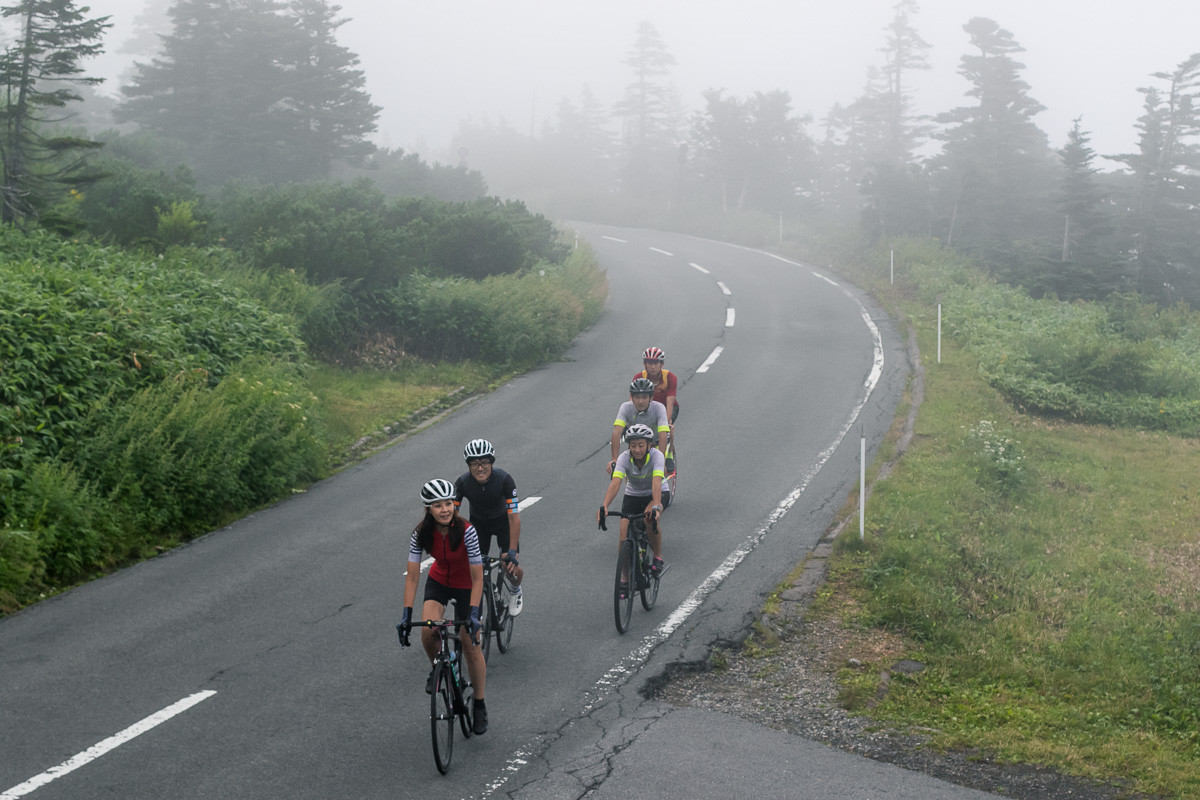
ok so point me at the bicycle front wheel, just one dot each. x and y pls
(623, 586)
(464, 694)
(441, 716)
(490, 613)
(504, 620)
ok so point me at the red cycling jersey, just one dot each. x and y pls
(666, 387)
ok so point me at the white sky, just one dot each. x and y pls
(432, 63)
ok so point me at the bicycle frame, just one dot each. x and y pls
(633, 569)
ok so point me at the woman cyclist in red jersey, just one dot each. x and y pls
(457, 573)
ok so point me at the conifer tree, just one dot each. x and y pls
(38, 160)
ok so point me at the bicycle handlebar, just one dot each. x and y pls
(623, 515)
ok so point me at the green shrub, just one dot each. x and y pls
(123, 207)
(181, 456)
(517, 320)
(79, 323)
(1122, 362)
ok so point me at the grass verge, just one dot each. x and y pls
(1045, 574)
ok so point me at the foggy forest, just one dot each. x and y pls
(284, 103)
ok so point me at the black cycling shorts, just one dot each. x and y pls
(634, 504)
(489, 528)
(441, 593)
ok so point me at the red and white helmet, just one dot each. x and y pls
(654, 354)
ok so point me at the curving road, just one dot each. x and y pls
(261, 660)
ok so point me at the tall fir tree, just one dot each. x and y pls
(39, 162)
(1163, 234)
(648, 111)
(994, 171)
(872, 143)
(1088, 265)
(254, 88)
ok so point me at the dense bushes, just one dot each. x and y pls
(78, 323)
(128, 411)
(519, 320)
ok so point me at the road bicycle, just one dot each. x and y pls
(496, 619)
(634, 573)
(452, 695)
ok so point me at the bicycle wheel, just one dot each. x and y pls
(464, 694)
(504, 620)
(441, 716)
(627, 573)
(490, 613)
(649, 590)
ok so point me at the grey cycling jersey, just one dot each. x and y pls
(639, 480)
(654, 416)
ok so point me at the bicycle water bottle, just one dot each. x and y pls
(454, 664)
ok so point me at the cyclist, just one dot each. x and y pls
(639, 409)
(666, 383)
(456, 574)
(666, 386)
(492, 494)
(641, 467)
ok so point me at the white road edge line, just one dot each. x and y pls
(111, 743)
(615, 239)
(694, 265)
(712, 357)
(632, 662)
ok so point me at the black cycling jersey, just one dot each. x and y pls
(489, 501)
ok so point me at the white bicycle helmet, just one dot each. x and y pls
(479, 448)
(435, 490)
(639, 431)
(654, 354)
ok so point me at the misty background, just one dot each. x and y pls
(1058, 147)
(431, 65)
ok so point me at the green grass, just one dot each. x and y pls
(360, 401)
(1057, 611)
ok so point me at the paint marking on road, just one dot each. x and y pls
(628, 666)
(100, 748)
(664, 252)
(694, 265)
(729, 318)
(528, 501)
(615, 239)
(724, 288)
(712, 357)
(828, 280)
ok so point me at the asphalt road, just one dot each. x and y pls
(261, 660)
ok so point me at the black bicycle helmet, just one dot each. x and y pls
(435, 490)
(641, 386)
(479, 448)
(639, 431)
